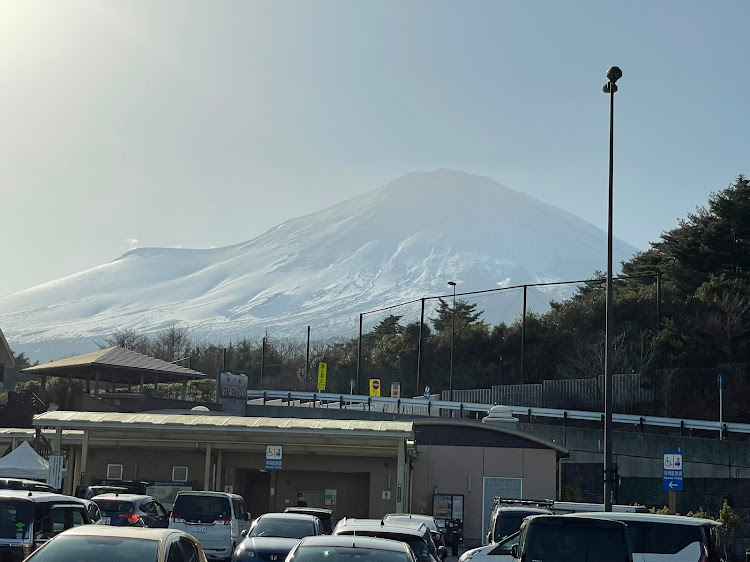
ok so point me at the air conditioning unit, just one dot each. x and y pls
(114, 472)
(179, 474)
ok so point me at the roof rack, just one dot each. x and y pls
(510, 502)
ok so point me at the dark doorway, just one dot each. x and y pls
(255, 487)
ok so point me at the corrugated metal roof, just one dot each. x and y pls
(114, 358)
(99, 420)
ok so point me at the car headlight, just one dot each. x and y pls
(243, 552)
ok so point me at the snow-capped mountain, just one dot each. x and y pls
(403, 241)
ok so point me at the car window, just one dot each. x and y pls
(566, 543)
(59, 519)
(201, 509)
(115, 506)
(507, 523)
(160, 511)
(175, 554)
(278, 527)
(149, 508)
(189, 551)
(505, 546)
(662, 538)
(15, 517)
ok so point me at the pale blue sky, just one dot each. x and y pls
(202, 124)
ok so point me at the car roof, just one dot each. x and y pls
(403, 527)
(125, 497)
(428, 520)
(574, 518)
(39, 496)
(145, 533)
(289, 516)
(313, 510)
(355, 541)
(205, 493)
(650, 518)
(539, 510)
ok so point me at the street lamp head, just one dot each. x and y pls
(614, 74)
(609, 88)
(452, 283)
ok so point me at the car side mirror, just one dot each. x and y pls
(442, 552)
(514, 551)
(244, 533)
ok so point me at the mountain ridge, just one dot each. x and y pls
(402, 241)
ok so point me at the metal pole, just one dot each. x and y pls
(419, 349)
(721, 413)
(262, 361)
(307, 365)
(523, 336)
(613, 75)
(453, 337)
(359, 352)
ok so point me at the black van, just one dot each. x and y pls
(566, 538)
(29, 519)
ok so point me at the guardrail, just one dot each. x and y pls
(440, 407)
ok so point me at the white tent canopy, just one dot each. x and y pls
(24, 462)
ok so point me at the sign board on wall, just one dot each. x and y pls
(55, 471)
(233, 386)
(330, 498)
(448, 506)
(274, 456)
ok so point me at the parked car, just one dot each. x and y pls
(121, 544)
(273, 535)
(416, 535)
(568, 538)
(23, 484)
(669, 538)
(495, 552)
(128, 509)
(118, 487)
(216, 519)
(506, 520)
(325, 516)
(350, 549)
(29, 519)
(429, 520)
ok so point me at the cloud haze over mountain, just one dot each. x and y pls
(403, 241)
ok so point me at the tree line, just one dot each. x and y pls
(704, 268)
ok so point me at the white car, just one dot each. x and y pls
(496, 552)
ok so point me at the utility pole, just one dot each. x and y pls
(523, 337)
(307, 364)
(419, 349)
(359, 352)
(262, 360)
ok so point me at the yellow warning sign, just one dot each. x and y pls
(374, 387)
(322, 368)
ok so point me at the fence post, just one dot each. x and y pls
(289, 399)
(369, 403)
(264, 397)
(429, 408)
(341, 402)
(461, 410)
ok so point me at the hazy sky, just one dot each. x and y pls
(198, 124)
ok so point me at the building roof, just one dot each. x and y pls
(299, 436)
(116, 362)
(6, 355)
(470, 433)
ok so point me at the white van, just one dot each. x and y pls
(669, 538)
(563, 508)
(216, 519)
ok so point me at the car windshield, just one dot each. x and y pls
(114, 506)
(75, 548)
(15, 517)
(347, 554)
(508, 522)
(278, 527)
(201, 509)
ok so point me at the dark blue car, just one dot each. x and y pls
(273, 535)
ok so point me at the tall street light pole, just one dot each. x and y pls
(453, 338)
(613, 75)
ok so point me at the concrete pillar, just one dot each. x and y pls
(219, 458)
(207, 474)
(57, 443)
(96, 383)
(156, 384)
(76, 451)
(400, 479)
(44, 383)
(141, 388)
(184, 390)
(14, 444)
(84, 458)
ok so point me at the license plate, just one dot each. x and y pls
(106, 520)
(199, 529)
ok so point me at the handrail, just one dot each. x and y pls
(629, 419)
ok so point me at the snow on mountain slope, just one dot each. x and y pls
(403, 241)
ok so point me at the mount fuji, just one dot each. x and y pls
(401, 242)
